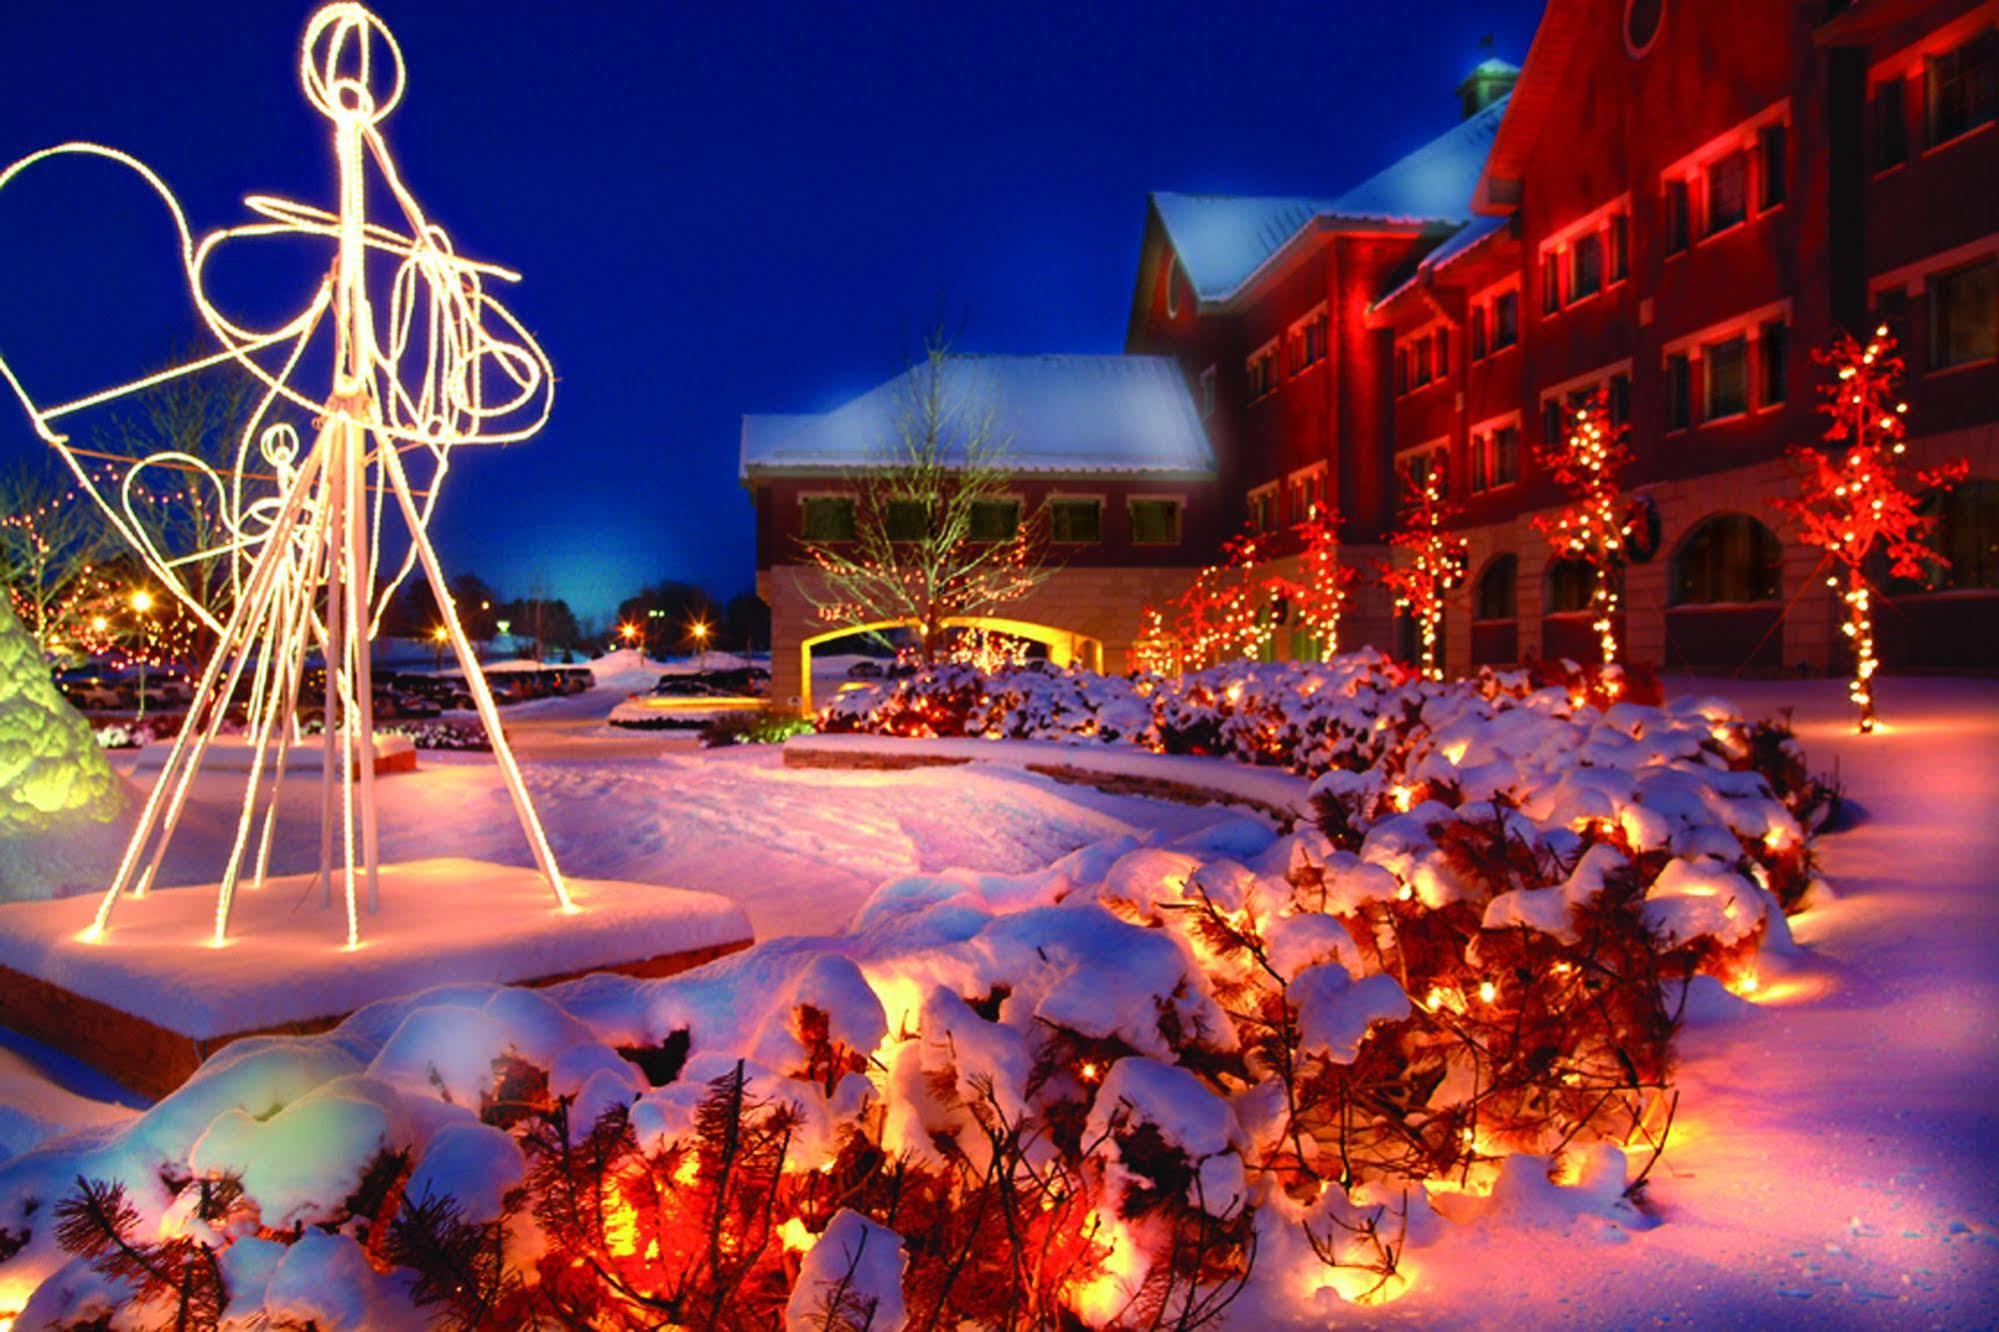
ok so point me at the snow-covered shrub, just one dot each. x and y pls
(1129, 1089)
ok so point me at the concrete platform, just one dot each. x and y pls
(231, 753)
(154, 997)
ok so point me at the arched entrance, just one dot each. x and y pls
(1064, 648)
(1724, 597)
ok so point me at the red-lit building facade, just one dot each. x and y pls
(1675, 200)
(1681, 200)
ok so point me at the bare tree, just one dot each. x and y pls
(51, 537)
(936, 532)
(194, 427)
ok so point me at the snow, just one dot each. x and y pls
(1223, 781)
(234, 753)
(1073, 414)
(851, 1278)
(443, 919)
(1832, 1160)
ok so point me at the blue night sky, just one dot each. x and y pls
(717, 208)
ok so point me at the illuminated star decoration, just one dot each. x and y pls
(436, 364)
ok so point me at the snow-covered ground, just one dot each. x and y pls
(1836, 1155)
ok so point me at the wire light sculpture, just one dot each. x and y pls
(436, 364)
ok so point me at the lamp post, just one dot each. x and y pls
(439, 637)
(142, 603)
(700, 631)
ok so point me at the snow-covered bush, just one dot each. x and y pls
(1159, 1081)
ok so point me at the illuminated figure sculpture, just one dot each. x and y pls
(437, 363)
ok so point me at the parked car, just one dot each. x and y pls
(865, 670)
(95, 688)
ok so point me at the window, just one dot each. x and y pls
(1964, 314)
(1570, 583)
(1496, 597)
(1505, 455)
(1417, 470)
(1728, 560)
(827, 518)
(1727, 191)
(1403, 358)
(907, 520)
(1771, 165)
(1586, 266)
(1506, 320)
(1443, 341)
(1964, 87)
(1620, 247)
(1774, 363)
(995, 520)
(1263, 509)
(1679, 216)
(1551, 284)
(1551, 424)
(1891, 307)
(1620, 400)
(1262, 372)
(1727, 378)
(1307, 491)
(1155, 522)
(1891, 124)
(1967, 535)
(1207, 393)
(1679, 392)
(1423, 364)
(1478, 333)
(1311, 337)
(1495, 457)
(1076, 522)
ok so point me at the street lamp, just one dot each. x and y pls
(439, 637)
(141, 602)
(700, 631)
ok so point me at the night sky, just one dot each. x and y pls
(717, 208)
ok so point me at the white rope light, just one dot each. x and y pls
(437, 364)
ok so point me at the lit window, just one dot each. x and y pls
(1506, 321)
(827, 518)
(995, 520)
(1964, 308)
(1586, 267)
(1076, 521)
(1727, 377)
(907, 520)
(1727, 191)
(1771, 164)
(1155, 522)
(1964, 87)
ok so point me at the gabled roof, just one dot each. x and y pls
(1542, 83)
(1224, 241)
(1074, 415)
(1467, 239)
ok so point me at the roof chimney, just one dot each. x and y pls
(1491, 80)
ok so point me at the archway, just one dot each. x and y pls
(1064, 648)
(1566, 621)
(1495, 616)
(1724, 594)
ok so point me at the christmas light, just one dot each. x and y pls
(1432, 562)
(429, 363)
(1858, 498)
(1596, 526)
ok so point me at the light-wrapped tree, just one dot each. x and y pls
(1860, 494)
(1432, 560)
(1595, 526)
(924, 549)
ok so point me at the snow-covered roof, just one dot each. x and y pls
(1222, 241)
(1072, 414)
(1461, 243)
